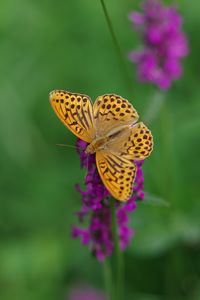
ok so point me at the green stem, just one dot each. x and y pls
(170, 194)
(108, 279)
(167, 152)
(154, 108)
(118, 255)
(117, 48)
(120, 274)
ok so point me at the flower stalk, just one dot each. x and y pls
(118, 254)
(154, 108)
(108, 279)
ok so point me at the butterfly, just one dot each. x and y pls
(111, 129)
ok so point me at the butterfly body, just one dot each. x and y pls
(109, 127)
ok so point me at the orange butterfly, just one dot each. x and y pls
(110, 128)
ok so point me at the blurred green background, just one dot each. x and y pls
(46, 45)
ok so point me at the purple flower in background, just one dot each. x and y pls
(86, 293)
(159, 60)
(96, 209)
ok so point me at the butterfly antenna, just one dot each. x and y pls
(65, 145)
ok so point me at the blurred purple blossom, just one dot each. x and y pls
(159, 59)
(96, 209)
(86, 293)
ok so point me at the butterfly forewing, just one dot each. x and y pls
(117, 174)
(111, 112)
(75, 111)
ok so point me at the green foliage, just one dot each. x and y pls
(47, 45)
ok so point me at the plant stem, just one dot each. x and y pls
(117, 48)
(118, 255)
(108, 279)
(120, 274)
(154, 107)
(171, 194)
(167, 128)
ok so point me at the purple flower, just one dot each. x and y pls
(96, 209)
(86, 293)
(159, 60)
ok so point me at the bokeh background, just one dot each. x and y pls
(46, 45)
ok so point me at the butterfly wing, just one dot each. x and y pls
(75, 111)
(117, 174)
(112, 112)
(132, 142)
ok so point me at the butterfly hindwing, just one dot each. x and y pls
(117, 174)
(132, 142)
(112, 111)
(75, 111)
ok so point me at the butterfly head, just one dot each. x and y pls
(90, 149)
